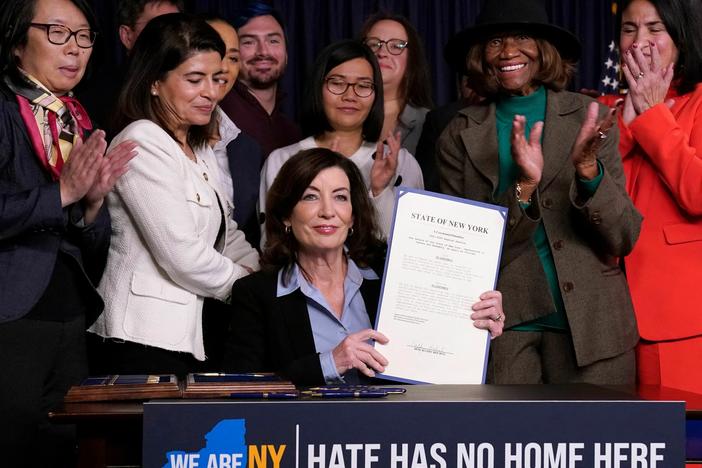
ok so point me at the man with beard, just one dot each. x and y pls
(254, 102)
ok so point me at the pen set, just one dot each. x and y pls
(350, 391)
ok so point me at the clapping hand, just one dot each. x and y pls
(527, 154)
(590, 137)
(647, 78)
(80, 171)
(89, 174)
(112, 166)
(385, 164)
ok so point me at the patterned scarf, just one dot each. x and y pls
(54, 123)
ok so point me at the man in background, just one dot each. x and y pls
(99, 93)
(254, 102)
(133, 15)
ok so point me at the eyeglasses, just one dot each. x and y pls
(393, 46)
(338, 86)
(59, 34)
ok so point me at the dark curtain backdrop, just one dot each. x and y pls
(312, 24)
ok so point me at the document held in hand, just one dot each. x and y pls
(443, 253)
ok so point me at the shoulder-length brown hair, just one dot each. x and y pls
(415, 87)
(294, 177)
(165, 43)
(554, 71)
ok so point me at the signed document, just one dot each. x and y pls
(444, 252)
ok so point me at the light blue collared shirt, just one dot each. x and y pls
(328, 330)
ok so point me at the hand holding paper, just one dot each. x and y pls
(488, 313)
(443, 257)
(355, 352)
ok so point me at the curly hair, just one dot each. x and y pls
(282, 248)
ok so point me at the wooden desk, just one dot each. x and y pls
(110, 433)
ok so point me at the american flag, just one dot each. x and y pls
(611, 71)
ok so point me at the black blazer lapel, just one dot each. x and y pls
(370, 291)
(292, 310)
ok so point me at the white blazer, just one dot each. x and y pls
(162, 260)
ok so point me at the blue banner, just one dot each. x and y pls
(387, 434)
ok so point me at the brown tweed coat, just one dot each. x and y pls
(587, 236)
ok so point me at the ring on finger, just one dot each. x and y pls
(498, 318)
(602, 135)
(640, 75)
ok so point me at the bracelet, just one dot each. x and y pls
(518, 190)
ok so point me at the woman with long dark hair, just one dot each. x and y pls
(343, 111)
(661, 147)
(406, 79)
(176, 243)
(308, 315)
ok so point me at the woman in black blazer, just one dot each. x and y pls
(309, 314)
(54, 229)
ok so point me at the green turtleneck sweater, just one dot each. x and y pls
(533, 107)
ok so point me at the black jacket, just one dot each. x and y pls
(274, 334)
(34, 226)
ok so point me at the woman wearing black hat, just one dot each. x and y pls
(551, 157)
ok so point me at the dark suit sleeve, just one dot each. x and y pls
(38, 208)
(426, 152)
(246, 341)
(93, 239)
(245, 160)
(23, 210)
(261, 340)
(305, 370)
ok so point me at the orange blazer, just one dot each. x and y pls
(662, 155)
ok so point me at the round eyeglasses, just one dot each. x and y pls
(338, 86)
(59, 34)
(393, 46)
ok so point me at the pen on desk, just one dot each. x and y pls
(220, 374)
(246, 377)
(265, 395)
(355, 388)
(345, 394)
(394, 390)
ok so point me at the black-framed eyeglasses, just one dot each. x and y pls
(339, 86)
(393, 46)
(59, 34)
